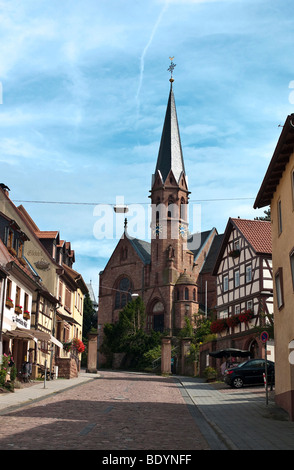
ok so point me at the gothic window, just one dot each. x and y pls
(170, 209)
(186, 293)
(123, 293)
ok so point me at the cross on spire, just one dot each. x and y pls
(171, 69)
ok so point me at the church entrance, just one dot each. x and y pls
(158, 322)
(155, 317)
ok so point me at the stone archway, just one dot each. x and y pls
(155, 315)
(253, 347)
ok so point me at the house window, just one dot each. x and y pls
(279, 287)
(237, 278)
(280, 225)
(223, 313)
(236, 245)
(249, 305)
(226, 283)
(67, 299)
(26, 303)
(60, 292)
(248, 273)
(8, 289)
(17, 296)
(237, 309)
(292, 266)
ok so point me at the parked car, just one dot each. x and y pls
(250, 373)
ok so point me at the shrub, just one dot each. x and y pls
(210, 373)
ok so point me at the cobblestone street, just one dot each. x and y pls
(117, 411)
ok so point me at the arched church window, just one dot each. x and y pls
(170, 212)
(194, 294)
(186, 293)
(123, 293)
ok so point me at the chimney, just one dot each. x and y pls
(5, 189)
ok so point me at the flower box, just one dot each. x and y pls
(246, 316)
(218, 325)
(233, 320)
(18, 309)
(9, 302)
(26, 315)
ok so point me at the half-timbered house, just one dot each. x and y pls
(244, 283)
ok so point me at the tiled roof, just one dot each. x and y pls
(214, 249)
(257, 233)
(46, 234)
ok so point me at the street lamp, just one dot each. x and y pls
(134, 297)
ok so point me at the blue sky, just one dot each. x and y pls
(84, 92)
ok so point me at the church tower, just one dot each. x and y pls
(167, 271)
(172, 264)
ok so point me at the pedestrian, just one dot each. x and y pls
(223, 367)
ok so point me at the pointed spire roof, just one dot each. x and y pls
(170, 156)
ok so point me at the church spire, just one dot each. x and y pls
(170, 155)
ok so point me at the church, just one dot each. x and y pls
(173, 272)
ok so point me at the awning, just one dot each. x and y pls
(35, 335)
(230, 352)
(55, 341)
(66, 318)
(40, 335)
(20, 334)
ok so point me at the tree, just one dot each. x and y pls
(128, 335)
(89, 316)
(267, 216)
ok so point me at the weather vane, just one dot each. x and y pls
(171, 69)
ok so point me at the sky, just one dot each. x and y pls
(83, 93)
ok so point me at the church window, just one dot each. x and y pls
(123, 293)
(186, 293)
(194, 294)
(170, 207)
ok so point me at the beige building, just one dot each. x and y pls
(57, 307)
(277, 190)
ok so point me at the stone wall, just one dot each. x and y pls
(68, 368)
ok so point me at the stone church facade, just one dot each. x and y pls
(173, 272)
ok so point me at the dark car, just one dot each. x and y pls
(250, 373)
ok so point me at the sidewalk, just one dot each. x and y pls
(240, 418)
(36, 391)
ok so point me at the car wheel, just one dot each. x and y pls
(238, 382)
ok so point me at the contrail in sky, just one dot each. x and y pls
(146, 49)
